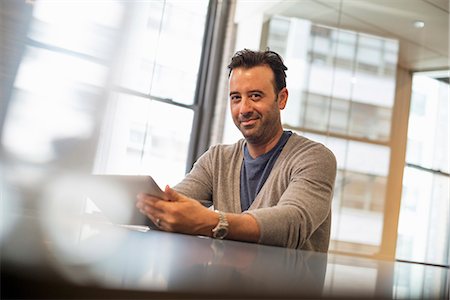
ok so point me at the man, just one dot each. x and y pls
(273, 187)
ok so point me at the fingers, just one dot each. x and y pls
(149, 200)
(172, 194)
(163, 213)
(153, 208)
(147, 205)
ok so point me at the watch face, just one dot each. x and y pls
(221, 230)
(221, 233)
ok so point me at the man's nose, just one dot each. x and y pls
(246, 106)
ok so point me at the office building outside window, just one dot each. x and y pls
(423, 232)
(342, 87)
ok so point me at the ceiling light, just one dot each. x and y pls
(419, 24)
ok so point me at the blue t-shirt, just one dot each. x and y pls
(254, 172)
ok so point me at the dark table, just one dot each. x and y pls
(106, 261)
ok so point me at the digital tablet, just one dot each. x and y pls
(115, 196)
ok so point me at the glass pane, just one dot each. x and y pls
(358, 154)
(321, 80)
(279, 29)
(416, 281)
(84, 27)
(322, 44)
(370, 121)
(428, 131)
(316, 111)
(137, 61)
(371, 85)
(364, 192)
(51, 115)
(151, 63)
(341, 85)
(142, 138)
(58, 87)
(339, 115)
(180, 70)
(423, 231)
(369, 53)
(358, 203)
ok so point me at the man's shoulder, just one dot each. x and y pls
(227, 148)
(221, 152)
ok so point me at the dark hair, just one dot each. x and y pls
(247, 59)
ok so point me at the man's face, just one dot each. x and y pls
(255, 107)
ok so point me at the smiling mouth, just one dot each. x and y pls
(247, 123)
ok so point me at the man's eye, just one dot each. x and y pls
(235, 98)
(255, 96)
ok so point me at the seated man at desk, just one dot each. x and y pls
(272, 187)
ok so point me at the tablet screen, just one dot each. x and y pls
(115, 196)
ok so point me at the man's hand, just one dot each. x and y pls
(178, 214)
(186, 215)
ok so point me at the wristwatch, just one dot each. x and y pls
(221, 229)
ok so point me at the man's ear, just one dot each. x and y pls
(282, 98)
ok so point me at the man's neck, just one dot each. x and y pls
(256, 150)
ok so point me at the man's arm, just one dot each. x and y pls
(185, 215)
(298, 215)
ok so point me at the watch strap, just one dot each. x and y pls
(221, 229)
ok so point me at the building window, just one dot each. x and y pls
(109, 86)
(424, 232)
(342, 95)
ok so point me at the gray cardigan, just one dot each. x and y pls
(293, 208)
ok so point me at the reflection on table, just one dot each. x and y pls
(88, 258)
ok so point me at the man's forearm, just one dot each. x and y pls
(241, 227)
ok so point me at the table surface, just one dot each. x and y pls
(111, 257)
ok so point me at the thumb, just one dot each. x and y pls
(172, 194)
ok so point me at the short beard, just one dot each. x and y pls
(259, 139)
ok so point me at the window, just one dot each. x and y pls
(424, 232)
(59, 83)
(151, 110)
(341, 96)
(105, 86)
(114, 80)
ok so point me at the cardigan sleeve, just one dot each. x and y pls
(301, 216)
